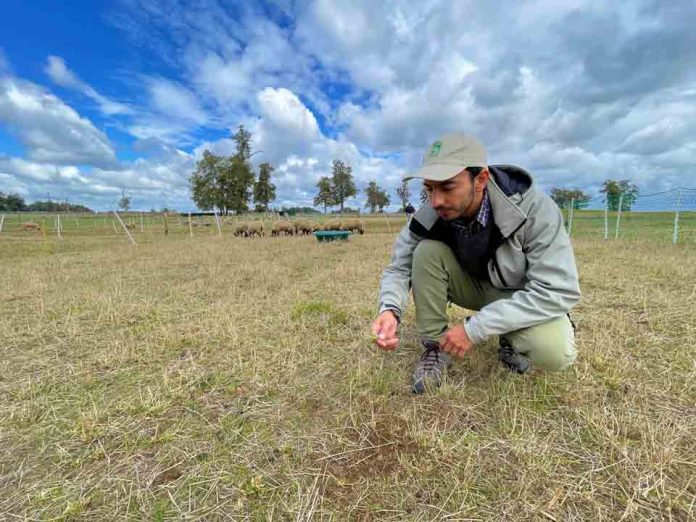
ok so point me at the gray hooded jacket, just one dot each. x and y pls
(535, 259)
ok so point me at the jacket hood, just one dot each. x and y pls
(511, 179)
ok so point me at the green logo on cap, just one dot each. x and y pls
(435, 149)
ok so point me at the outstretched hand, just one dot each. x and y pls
(456, 342)
(384, 331)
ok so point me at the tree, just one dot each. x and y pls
(125, 201)
(236, 181)
(204, 180)
(225, 183)
(613, 190)
(242, 139)
(376, 197)
(423, 195)
(325, 196)
(373, 194)
(404, 194)
(264, 190)
(382, 200)
(342, 184)
(53, 206)
(563, 198)
(11, 202)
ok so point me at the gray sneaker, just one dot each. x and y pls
(512, 360)
(431, 368)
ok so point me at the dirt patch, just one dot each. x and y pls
(372, 449)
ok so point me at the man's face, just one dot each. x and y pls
(456, 197)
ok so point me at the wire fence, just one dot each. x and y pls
(662, 216)
(666, 217)
(34, 231)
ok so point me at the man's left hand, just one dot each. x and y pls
(456, 342)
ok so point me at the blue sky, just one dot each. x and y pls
(95, 96)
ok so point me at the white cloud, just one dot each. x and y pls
(158, 182)
(285, 125)
(58, 71)
(51, 130)
(174, 101)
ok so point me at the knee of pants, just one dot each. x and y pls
(428, 250)
(549, 346)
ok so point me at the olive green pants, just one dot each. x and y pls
(437, 278)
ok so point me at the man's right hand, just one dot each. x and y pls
(384, 330)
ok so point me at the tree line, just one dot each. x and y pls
(612, 189)
(335, 189)
(229, 183)
(15, 203)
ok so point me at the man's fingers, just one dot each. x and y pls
(388, 331)
(445, 344)
(391, 343)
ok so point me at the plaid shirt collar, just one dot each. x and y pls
(481, 219)
(485, 210)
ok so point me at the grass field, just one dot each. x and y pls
(219, 377)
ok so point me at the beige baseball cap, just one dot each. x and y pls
(449, 155)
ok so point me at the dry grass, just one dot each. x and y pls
(214, 378)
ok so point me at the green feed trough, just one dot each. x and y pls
(332, 235)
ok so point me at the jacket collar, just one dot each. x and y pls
(507, 215)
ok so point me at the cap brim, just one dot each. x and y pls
(439, 172)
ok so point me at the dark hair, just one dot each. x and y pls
(474, 171)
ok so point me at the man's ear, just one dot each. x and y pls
(482, 180)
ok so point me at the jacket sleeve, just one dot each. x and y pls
(551, 284)
(396, 278)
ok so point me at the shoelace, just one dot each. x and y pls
(430, 358)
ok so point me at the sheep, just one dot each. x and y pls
(240, 229)
(354, 225)
(304, 226)
(332, 224)
(30, 226)
(284, 227)
(254, 229)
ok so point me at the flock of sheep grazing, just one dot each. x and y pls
(299, 227)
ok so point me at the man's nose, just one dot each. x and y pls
(436, 199)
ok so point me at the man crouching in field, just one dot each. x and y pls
(486, 240)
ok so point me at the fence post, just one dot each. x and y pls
(166, 225)
(217, 222)
(675, 234)
(618, 216)
(190, 226)
(606, 217)
(142, 228)
(124, 228)
(58, 227)
(570, 217)
(2, 220)
(387, 220)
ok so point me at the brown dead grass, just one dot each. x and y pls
(215, 378)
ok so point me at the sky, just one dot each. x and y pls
(100, 96)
